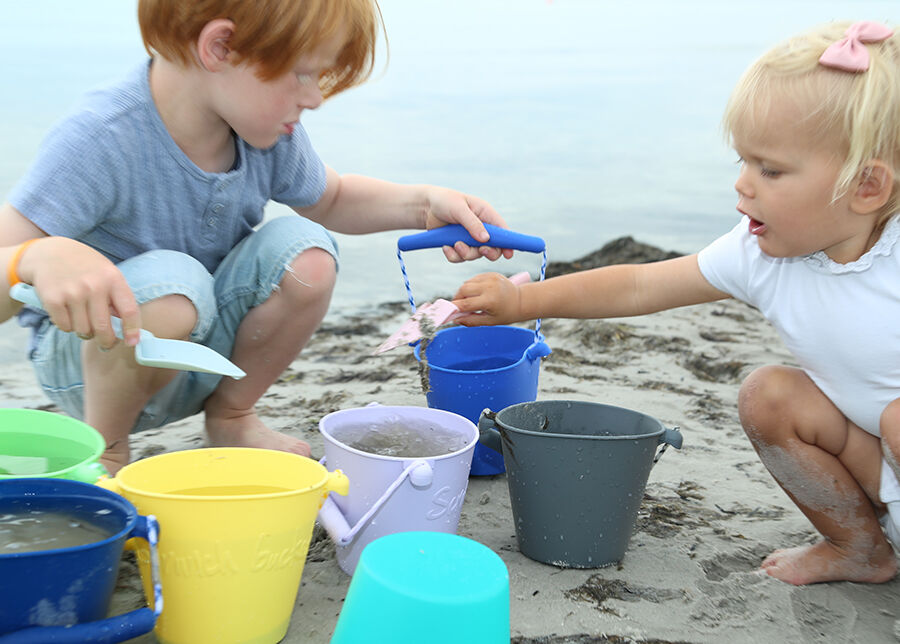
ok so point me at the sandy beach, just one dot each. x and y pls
(710, 512)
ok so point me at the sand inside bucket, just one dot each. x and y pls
(393, 437)
(31, 530)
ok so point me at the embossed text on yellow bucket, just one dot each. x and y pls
(235, 527)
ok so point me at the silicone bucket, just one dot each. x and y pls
(62, 595)
(391, 494)
(236, 526)
(473, 369)
(426, 587)
(470, 369)
(576, 473)
(36, 443)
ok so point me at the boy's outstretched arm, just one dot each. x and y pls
(354, 204)
(612, 291)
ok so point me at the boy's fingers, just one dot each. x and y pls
(491, 253)
(451, 255)
(466, 252)
(125, 307)
(101, 329)
(473, 226)
(80, 321)
(59, 315)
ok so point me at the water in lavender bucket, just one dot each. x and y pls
(400, 438)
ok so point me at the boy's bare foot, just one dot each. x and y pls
(824, 561)
(249, 431)
(115, 457)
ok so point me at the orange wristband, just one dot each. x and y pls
(12, 274)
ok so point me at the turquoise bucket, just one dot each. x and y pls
(430, 587)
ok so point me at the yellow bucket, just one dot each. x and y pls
(235, 526)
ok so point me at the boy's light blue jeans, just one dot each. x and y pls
(245, 279)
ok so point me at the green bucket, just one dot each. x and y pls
(36, 443)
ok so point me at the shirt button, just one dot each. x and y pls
(211, 222)
(217, 208)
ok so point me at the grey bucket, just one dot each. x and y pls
(576, 473)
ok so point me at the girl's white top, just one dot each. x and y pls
(840, 321)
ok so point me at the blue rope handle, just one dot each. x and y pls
(452, 233)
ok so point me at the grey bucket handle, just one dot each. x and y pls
(489, 436)
(668, 437)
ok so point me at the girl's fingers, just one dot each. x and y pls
(469, 304)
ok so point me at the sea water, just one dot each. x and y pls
(399, 438)
(32, 530)
(579, 120)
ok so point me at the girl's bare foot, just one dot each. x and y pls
(824, 561)
(249, 431)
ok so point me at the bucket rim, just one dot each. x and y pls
(400, 459)
(130, 488)
(81, 491)
(580, 403)
(460, 329)
(89, 438)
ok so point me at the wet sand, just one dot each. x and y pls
(710, 512)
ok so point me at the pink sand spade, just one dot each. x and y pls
(431, 315)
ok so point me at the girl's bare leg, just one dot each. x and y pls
(116, 388)
(829, 467)
(890, 436)
(268, 340)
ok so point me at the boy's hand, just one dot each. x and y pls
(80, 288)
(451, 207)
(490, 299)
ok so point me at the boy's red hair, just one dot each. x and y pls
(272, 34)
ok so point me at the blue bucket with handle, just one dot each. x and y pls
(62, 595)
(470, 369)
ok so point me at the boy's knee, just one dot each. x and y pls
(311, 273)
(173, 316)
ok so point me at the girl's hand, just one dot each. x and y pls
(490, 299)
(80, 288)
(447, 206)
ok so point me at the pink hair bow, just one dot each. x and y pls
(849, 53)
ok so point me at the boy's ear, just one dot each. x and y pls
(212, 44)
(874, 187)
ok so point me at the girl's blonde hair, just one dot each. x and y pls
(860, 111)
(271, 34)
